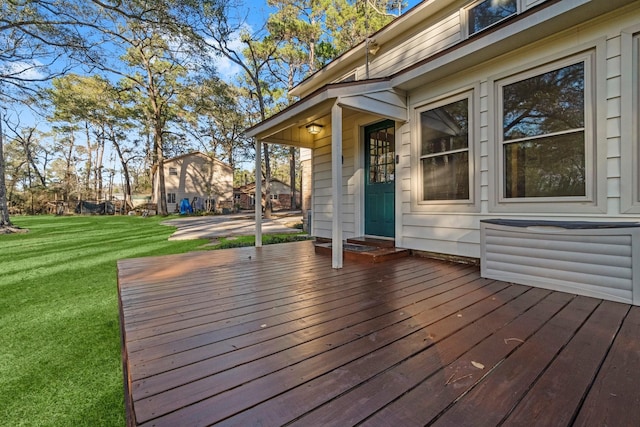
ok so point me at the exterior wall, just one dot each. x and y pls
(400, 48)
(197, 176)
(306, 164)
(352, 177)
(441, 32)
(456, 229)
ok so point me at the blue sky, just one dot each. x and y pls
(257, 12)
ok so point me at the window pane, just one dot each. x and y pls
(445, 128)
(382, 156)
(489, 12)
(548, 103)
(446, 177)
(546, 167)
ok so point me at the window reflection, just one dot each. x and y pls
(489, 12)
(543, 134)
(444, 151)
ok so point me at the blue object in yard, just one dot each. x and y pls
(185, 207)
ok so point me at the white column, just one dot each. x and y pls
(336, 185)
(258, 198)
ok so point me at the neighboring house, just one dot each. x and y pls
(205, 181)
(245, 197)
(461, 112)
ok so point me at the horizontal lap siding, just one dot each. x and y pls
(596, 263)
(322, 186)
(439, 36)
(457, 232)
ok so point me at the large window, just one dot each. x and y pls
(489, 12)
(543, 134)
(444, 151)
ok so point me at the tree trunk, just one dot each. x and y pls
(89, 161)
(125, 171)
(5, 221)
(99, 185)
(26, 145)
(162, 192)
(67, 172)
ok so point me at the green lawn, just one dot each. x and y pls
(60, 361)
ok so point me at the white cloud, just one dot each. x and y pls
(24, 70)
(226, 68)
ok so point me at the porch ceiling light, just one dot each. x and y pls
(314, 128)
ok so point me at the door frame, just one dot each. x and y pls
(361, 167)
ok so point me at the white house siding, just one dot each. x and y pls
(457, 232)
(352, 177)
(443, 33)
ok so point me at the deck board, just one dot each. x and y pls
(275, 336)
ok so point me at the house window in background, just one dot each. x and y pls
(173, 171)
(486, 13)
(444, 151)
(544, 147)
(171, 197)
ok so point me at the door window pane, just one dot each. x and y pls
(382, 155)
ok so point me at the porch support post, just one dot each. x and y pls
(258, 198)
(336, 185)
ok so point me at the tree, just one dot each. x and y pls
(5, 221)
(350, 22)
(32, 36)
(212, 117)
(214, 29)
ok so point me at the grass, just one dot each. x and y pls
(60, 361)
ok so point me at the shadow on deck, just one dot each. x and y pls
(274, 336)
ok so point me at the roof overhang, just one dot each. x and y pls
(354, 57)
(370, 96)
(548, 19)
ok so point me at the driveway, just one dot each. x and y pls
(242, 224)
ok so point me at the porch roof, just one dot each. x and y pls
(375, 96)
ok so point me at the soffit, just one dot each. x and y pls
(288, 126)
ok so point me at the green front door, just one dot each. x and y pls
(379, 189)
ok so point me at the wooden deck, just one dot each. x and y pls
(274, 336)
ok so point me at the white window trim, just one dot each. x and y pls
(630, 116)
(593, 54)
(472, 204)
(464, 17)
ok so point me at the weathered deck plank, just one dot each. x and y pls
(274, 336)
